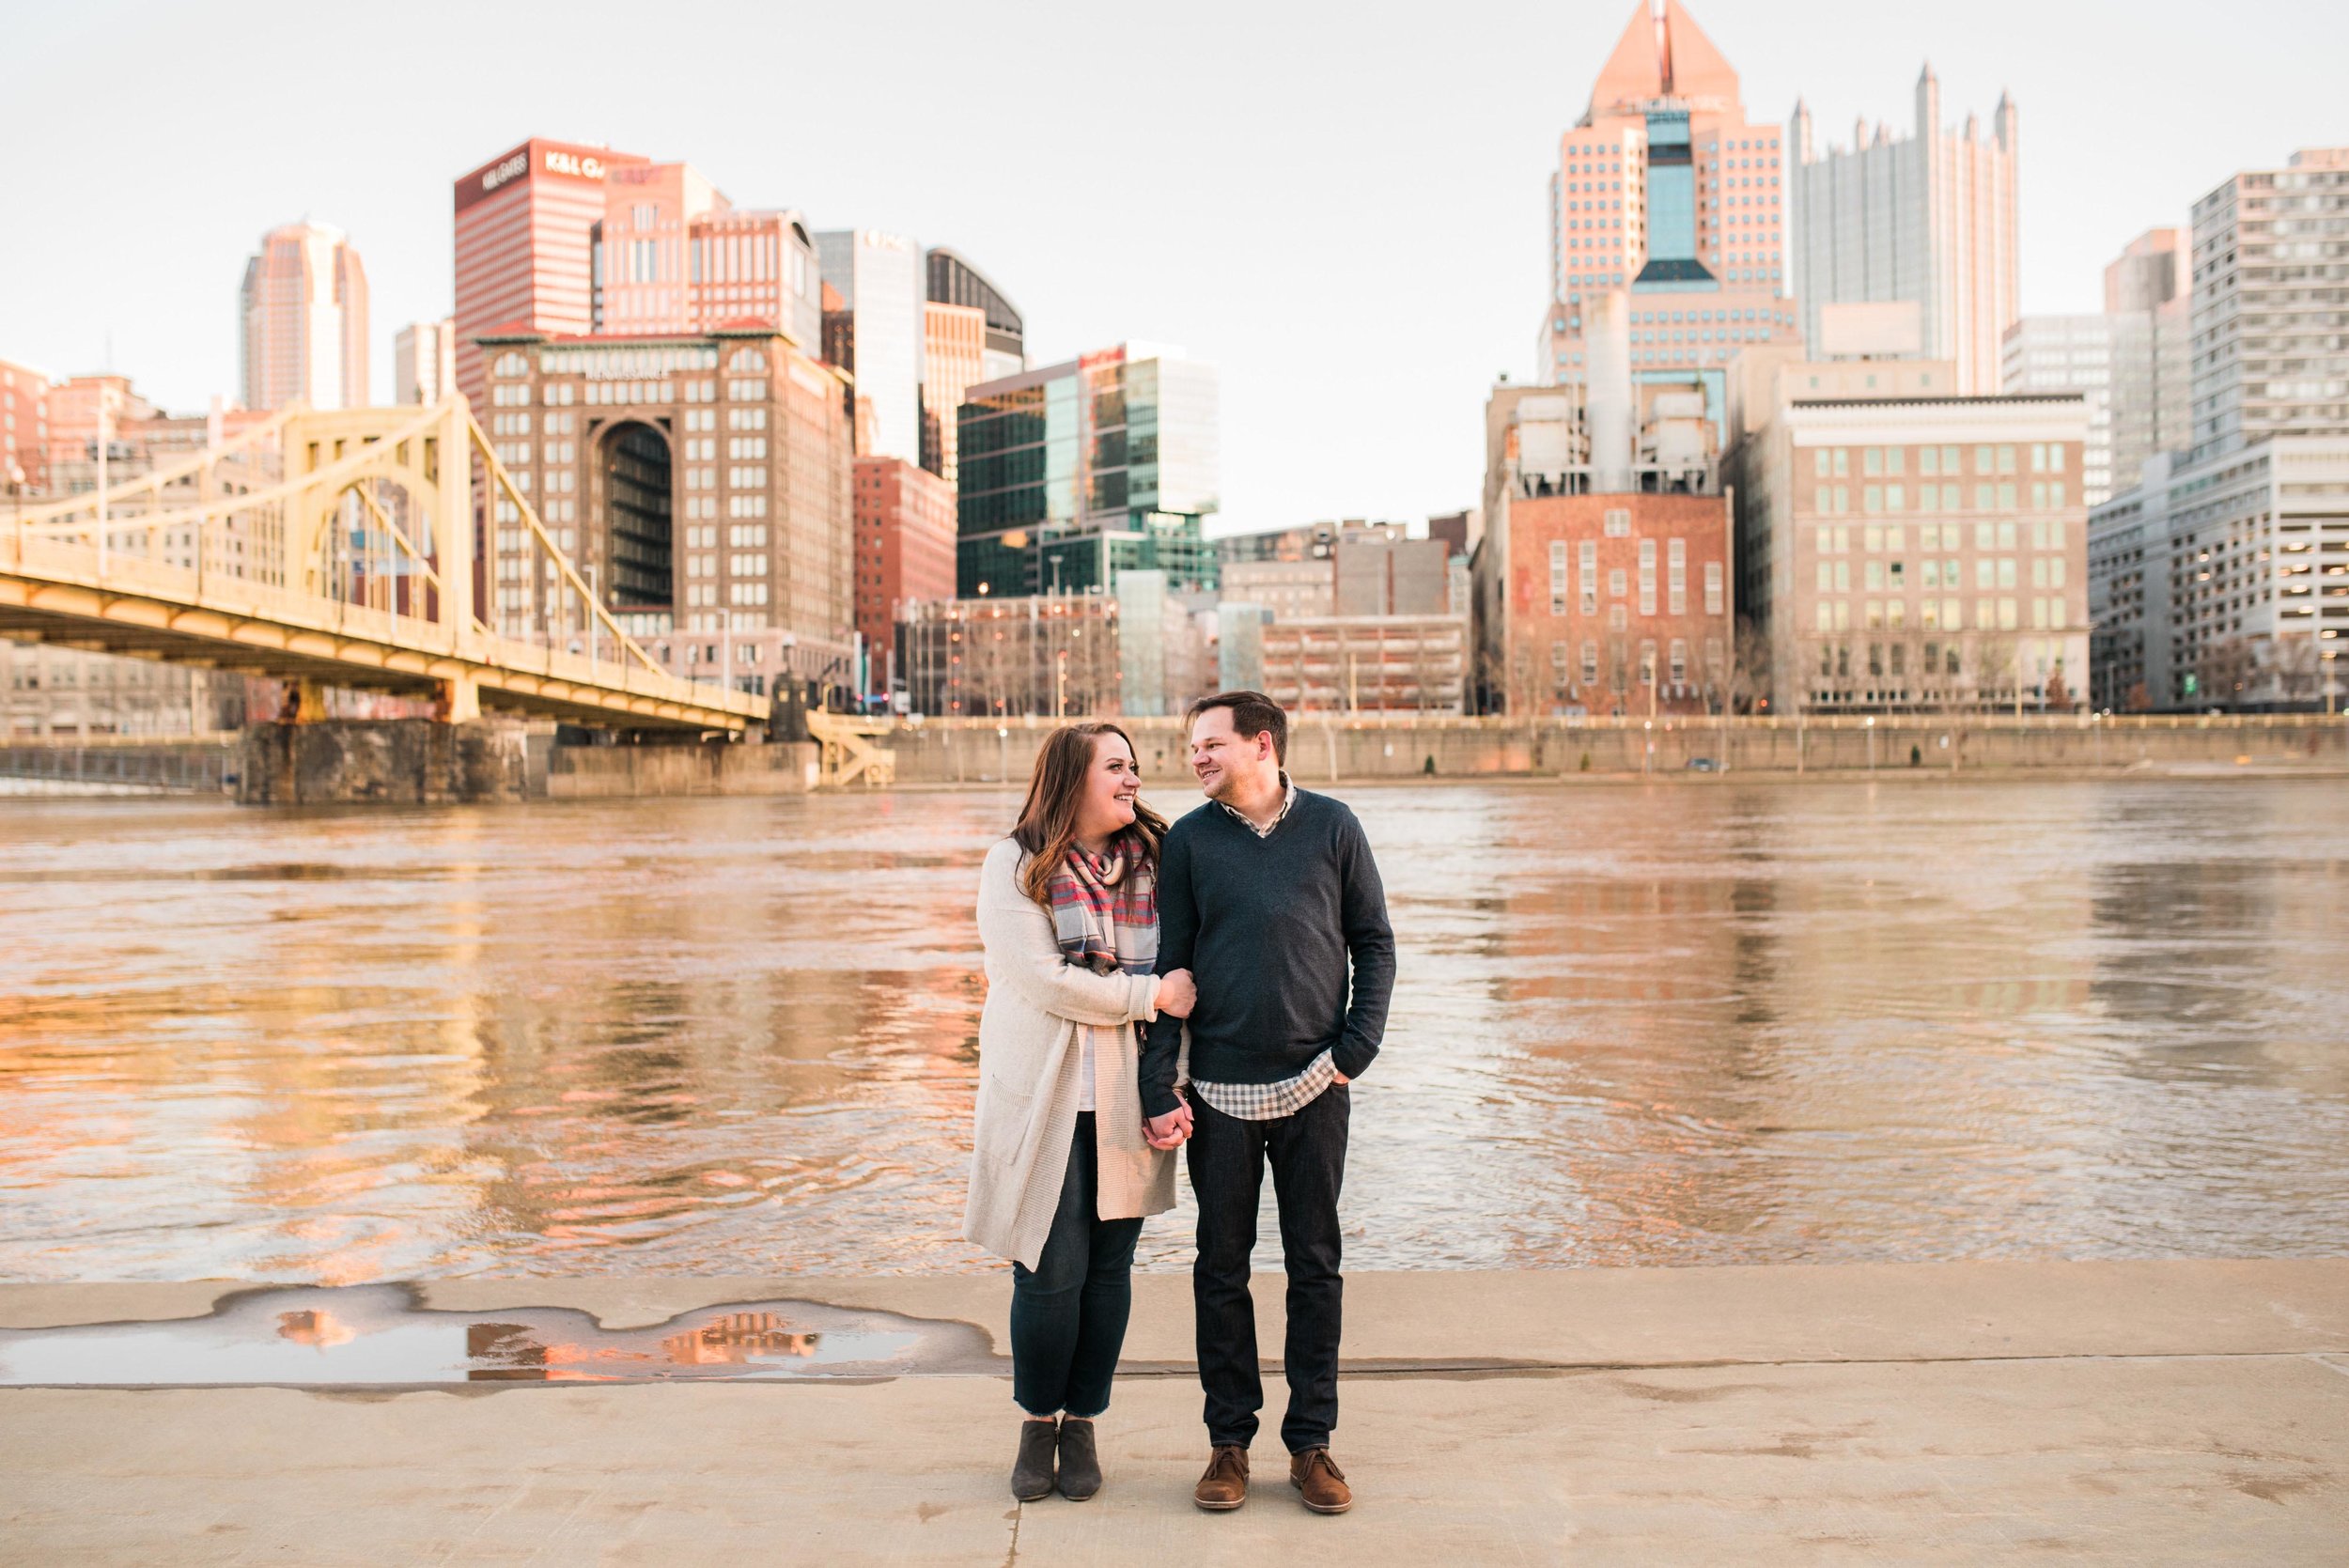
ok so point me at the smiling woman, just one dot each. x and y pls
(1061, 1172)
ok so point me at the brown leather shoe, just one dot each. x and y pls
(1224, 1486)
(1319, 1482)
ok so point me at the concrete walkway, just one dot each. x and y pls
(2124, 1412)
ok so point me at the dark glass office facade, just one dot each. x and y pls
(1073, 474)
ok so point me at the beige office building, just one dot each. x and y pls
(2271, 311)
(2148, 306)
(424, 359)
(1902, 548)
(701, 479)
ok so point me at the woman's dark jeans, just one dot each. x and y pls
(1068, 1312)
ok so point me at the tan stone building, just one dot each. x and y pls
(1901, 548)
(701, 480)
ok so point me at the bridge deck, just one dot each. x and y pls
(52, 590)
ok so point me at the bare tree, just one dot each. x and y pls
(1909, 656)
(1750, 665)
(2059, 697)
(1619, 671)
(2298, 666)
(2227, 669)
(1521, 686)
(1996, 670)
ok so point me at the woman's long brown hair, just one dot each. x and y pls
(1047, 823)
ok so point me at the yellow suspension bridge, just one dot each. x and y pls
(242, 559)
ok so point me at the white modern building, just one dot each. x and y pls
(2271, 304)
(1929, 218)
(2222, 580)
(884, 295)
(423, 360)
(2148, 306)
(2069, 353)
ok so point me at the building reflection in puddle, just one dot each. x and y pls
(385, 1334)
(316, 1328)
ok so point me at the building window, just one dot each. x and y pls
(1676, 578)
(1713, 588)
(1558, 585)
(1588, 550)
(1618, 523)
(1647, 577)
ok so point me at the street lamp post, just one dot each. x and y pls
(104, 441)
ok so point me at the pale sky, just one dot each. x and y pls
(1339, 206)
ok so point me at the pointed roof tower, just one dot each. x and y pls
(1692, 67)
(1661, 54)
(1635, 72)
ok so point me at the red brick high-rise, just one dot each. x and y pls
(23, 427)
(904, 550)
(1602, 579)
(525, 247)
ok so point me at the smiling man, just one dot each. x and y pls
(1269, 896)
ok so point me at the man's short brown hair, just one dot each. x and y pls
(1253, 714)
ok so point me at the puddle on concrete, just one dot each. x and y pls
(383, 1334)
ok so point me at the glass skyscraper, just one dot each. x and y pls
(880, 279)
(1074, 474)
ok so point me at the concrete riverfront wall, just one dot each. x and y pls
(130, 765)
(709, 768)
(976, 752)
(422, 762)
(417, 761)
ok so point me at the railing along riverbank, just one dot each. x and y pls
(1364, 747)
(124, 765)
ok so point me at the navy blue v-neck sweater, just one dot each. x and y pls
(1268, 928)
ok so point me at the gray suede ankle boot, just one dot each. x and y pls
(1032, 1472)
(1079, 1461)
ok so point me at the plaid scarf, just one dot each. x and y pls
(1105, 909)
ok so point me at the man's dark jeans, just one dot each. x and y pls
(1228, 1158)
(1068, 1313)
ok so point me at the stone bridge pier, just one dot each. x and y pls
(382, 761)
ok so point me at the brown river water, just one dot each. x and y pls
(1679, 1024)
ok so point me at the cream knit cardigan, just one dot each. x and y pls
(1030, 1060)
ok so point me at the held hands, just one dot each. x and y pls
(1170, 1131)
(1177, 995)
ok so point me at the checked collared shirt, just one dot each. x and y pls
(1267, 1102)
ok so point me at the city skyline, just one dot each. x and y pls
(1304, 319)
